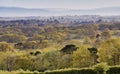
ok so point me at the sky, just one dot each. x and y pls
(67, 4)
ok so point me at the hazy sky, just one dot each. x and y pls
(71, 4)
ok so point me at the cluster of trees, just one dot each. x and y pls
(60, 46)
(57, 34)
(70, 56)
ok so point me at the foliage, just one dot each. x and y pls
(101, 68)
(12, 38)
(36, 44)
(81, 57)
(4, 47)
(114, 70)
(108, 50)
(109, 70)
(72, 71)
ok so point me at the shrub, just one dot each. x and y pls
(101, 68)
(114, 70)
(72, 71)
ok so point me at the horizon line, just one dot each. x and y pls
(61, 8)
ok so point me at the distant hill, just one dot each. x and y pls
(16, 11)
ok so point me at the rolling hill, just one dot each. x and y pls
(17, 11)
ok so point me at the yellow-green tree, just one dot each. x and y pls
(4, 46)
(108, 51)
(82, 57)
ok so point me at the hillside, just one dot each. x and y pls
(16, 11)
